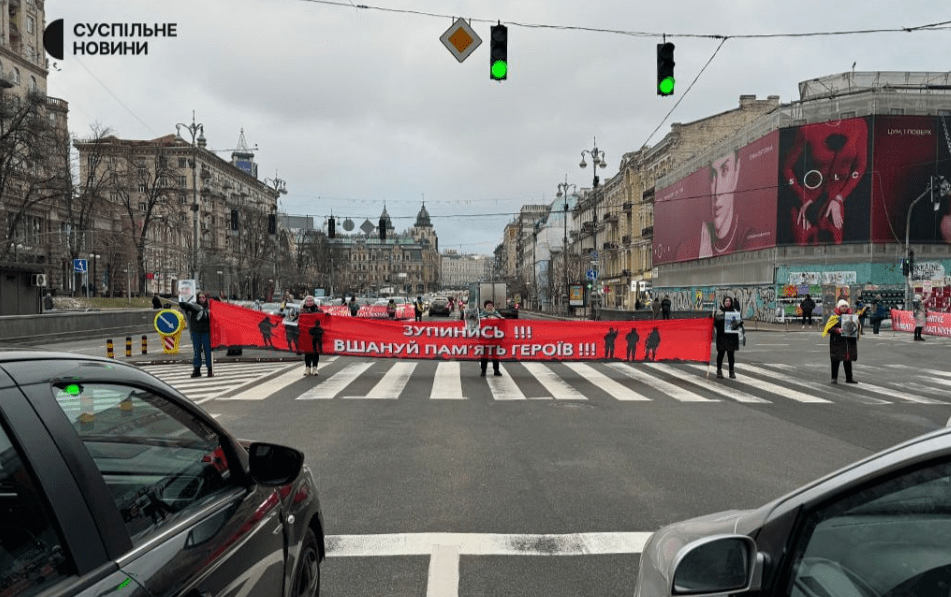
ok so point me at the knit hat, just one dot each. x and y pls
(842, 304)
(917, 297)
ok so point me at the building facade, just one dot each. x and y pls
(460, 270)
(34, 181)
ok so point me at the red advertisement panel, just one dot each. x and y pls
(939, 324)
(727, 206)
(905, 159)
(508, 339)
(824, 183)
(405, 311)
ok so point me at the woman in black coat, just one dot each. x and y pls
(844, 349)
(312, 357)
(726, 343)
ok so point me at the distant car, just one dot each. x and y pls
(509, 311)
(439, 306)
(113, 481)
(876, 528)
(271, 308)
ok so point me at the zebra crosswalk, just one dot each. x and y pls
(687, 383)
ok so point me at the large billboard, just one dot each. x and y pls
(909, 150)
(824, 183)
(727, 206)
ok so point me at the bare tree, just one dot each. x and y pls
(33, 176)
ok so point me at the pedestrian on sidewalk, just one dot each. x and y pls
(655, 307)
(316, 344)
(727, 344)
(807, 306)
(354, 306)
(861, 309)
(920, 313)
(199, 326)
(665, 307)
(310, 358)
(418, 307)
(842, 349)
(878, 314)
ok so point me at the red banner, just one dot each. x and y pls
(939, 324)
(507, 339)
(405, 311)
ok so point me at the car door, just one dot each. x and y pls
(190, 521)
(48, 538)
(887, 536)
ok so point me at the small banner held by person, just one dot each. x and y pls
(850, 325)
(507, 339)
(732, 323)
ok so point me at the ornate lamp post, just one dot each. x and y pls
(563, 188)
(597, 160)
(199, 130)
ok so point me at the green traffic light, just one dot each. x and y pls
(666, 86)
(499, 69)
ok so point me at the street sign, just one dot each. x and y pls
(460, 39)
(591, 275)
(79, 266)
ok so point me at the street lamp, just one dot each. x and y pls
(563, 188)
(944, 189)
(597, 160)
(199, 130)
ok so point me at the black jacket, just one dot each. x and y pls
(199, 318)
(725, 341)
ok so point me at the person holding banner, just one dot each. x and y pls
(310, 358)
(728, 336)
(843, 340)
(199, 325)
(490, 313)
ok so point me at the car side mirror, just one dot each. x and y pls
(717, 565)
(273, 465)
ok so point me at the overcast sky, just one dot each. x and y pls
(355, 108)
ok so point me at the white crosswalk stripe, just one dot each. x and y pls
(605, 383)
(685, 383)
(675, 392)
(392, 384)
(709, 384)
(229, 378)
(776, 389)
(447, 383)
(337, 382)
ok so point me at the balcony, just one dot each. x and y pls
(626, 239)
(610, 218)
(610, 246)
(648, 194)
(627, 206)
(647, 232)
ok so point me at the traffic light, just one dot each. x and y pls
(234, 219)
(904, 267)
(665, 69)
(911, 262)
(331, 227)
(271, 224)
(499, 52)
(382, 229)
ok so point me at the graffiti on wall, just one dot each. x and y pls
(753, 302)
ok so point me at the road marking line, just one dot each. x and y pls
(289, 375)
(447, 384)
(505, 388)
(711, 385)
(392, 384)
(603, 382)
(675, 392)
(336, 383)
(818, 387)
(888, 393)
(443, 572)
(558, 387)
(486, 544)
(776, 388)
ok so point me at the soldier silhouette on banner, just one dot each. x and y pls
(652, 343)
(609, 339)
(632, 338)
(266, 326)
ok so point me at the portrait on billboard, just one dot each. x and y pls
(725, 207)
(824, 188)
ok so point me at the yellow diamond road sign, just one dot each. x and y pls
(460, 39)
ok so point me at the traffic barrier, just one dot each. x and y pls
(109, 349)
(145, 345)
(128, 346)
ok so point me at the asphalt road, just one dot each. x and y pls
(553, 496)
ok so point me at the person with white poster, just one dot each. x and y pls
(729, 329)
(842, 329)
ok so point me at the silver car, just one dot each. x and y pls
(878, 528)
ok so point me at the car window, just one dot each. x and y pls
(32, 556)
(157, 460)
(888, 540)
